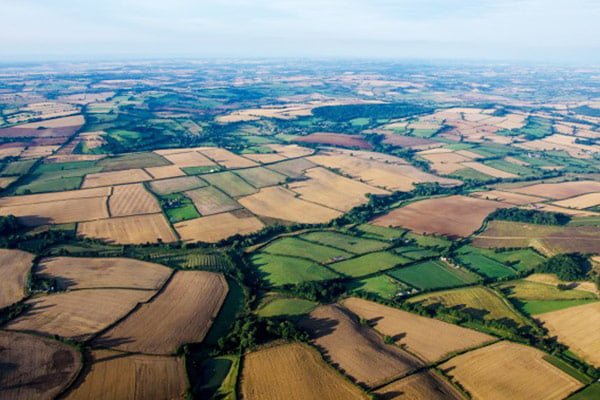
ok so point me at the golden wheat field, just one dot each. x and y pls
(425, 385)
(136, 229)
(509, 371)
(293, 372)
(132, 200)
(214, 228)
(15, 266)
(115, 178)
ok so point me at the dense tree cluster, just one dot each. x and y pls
(375, 111)
(530, 216)
(568, 267)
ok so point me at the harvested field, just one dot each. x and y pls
(58, 212)
(132, 200)
(568, 211)
(115, 375)
(34, 367)
(58, 127)
(168, 171)
(425, 385)
(56, 196)
(87, 273)
(486, 169)
(196, 296)
(410, 142)
(261, 177)
(128, 161)
(189, 159)
(115, 178)
(526, 289)
(214, 228)
(507, 197)
(478, 301)
(209, 200)
(78, 314)
(292, 168)
(552, 280)
(453, 216)
(6, 181)
(509, 371)
(335, 139)
(559, 191)
(174, 185)
(14, 275)
(226, 158)
(230, 183)
(265, 158)
(305, 374)
(290, 150)
(332, 190)
(429, 339)
(581, 202)
(279, 203)
(549, 240)
(357, 350)
(137, 229)
(577, 327)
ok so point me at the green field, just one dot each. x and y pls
(217, 378)
(433, 274)
(416, 253)
(533, 307)
(474, 259)
(379, 285)
(567, 368)
(345, 242)
(589, 393)
(281, 270)
(511, 168)
(429, 241)
(17, 168)
(471, 174)
(295, 247)
(201, 170)
(261, 177)
(229, 183)
(282, 306)
(233, 304)
(379, 232)
(178, 207)
(522, 260)
(368, 264)
(528, 290)
(55, 177)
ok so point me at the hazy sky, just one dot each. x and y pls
(552, 30)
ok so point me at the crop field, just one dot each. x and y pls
(131, 200)
(137, 229)
(167, 171)
(488, 170)
(509, 371)
(196, 295)
(58, 212)
(379, 285)
(295, 247)
(454, 216)
(283, 306)
(209, 200)
(226, 158)
(577, 327)
(559, 191)
(305, 374)
(429, 339)
(479, 301)
(552, 279)
(516, 199)
(174, 185)
(115, 375)
(264, 158)
(335, 139)
(214, 228)
(356, 350)
(345, 242)
(292, 168)
(581, 202)
(333, 190)
(230, 183)
(549, 240)
(368, 264)
(422, 385)
(132, 161)
(484, 265)
(281, 270)
(88, 273)
(115, 178)
(590, 392)
(282, 204)
(78, 314)
(15, 266)
(379, 232)
(433, 274)
(535, 307)
(524, 289)
(34, 367)
(261, 177)
(189, 159)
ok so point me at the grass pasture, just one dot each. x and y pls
(295, 247)
(433, 274)
(368, 264)
(285, 306)
(379, 285)
(482, 264)
(345, 242)
(379, 232)
(281, 270)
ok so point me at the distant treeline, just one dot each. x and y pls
(345, 113)
(530, 216)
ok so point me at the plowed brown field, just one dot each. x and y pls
(421, 386)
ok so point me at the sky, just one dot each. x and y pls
(565, 31)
